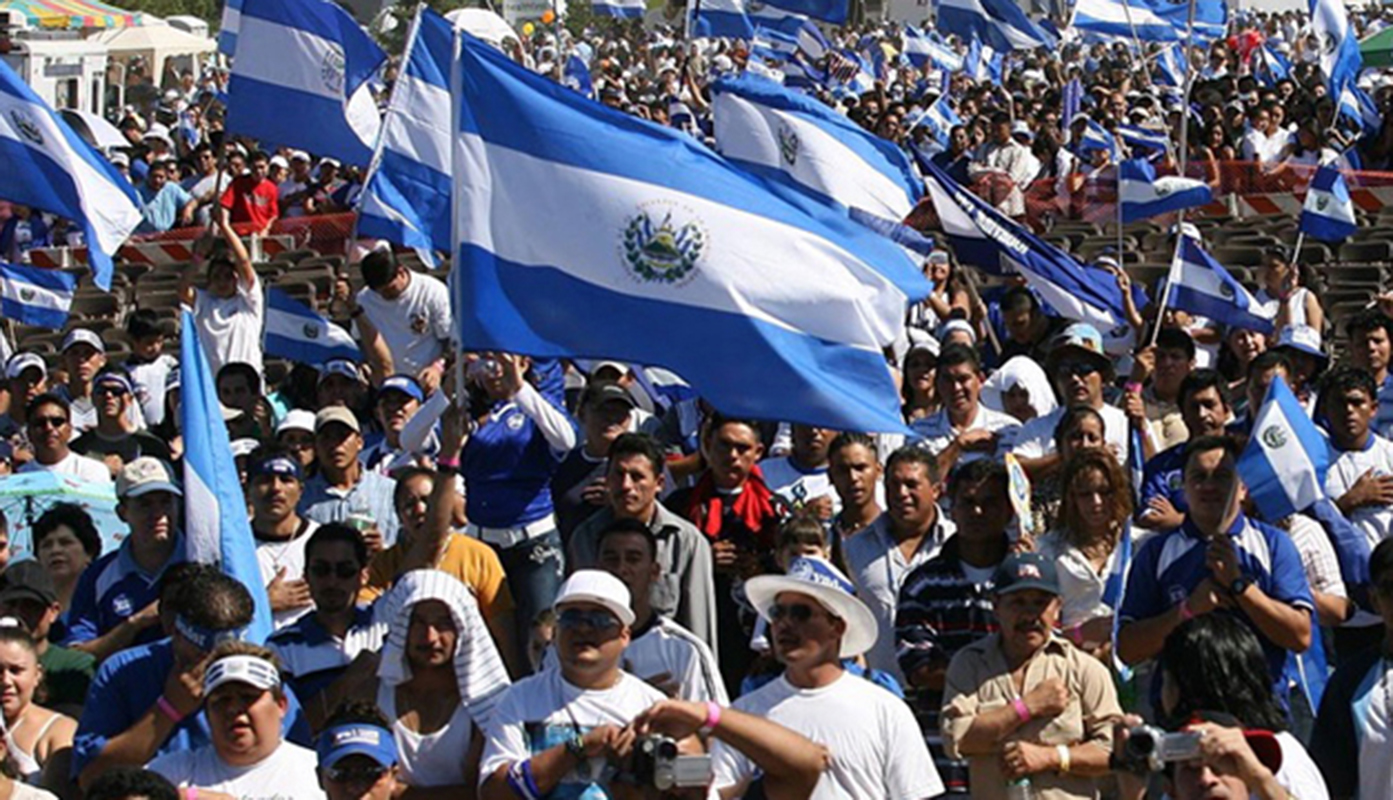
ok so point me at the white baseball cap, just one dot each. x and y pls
(296, 420)
(598, 587)
(83, 336)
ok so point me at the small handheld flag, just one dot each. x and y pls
(36, 296)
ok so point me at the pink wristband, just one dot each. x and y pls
(1021, 710)
(167, 708)
(1185, 613)
(190, 793)
(448, 463)
(713, 718)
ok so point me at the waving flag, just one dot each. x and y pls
(227, 29)
(1339, 49)
(1171, 66)
(982, 63)
(923, 50)
(301, 78)
(767, 309)
(1286, 459)
(215, 510)
(1199, 284)
(406, 197)
(982, 237)
(1328, 213)
(296, 332)
(36, 296)
(998, 23)
(1357, 106)
(1096, 137)
(46, 165)
(576, 75)
(940, 119)
(721, 18)
(796, 140)
(1145, 195)
(626, 9)
(1145, 138)
(833, 11)
(1148, 20)
(1072, 101)
(1269, 66)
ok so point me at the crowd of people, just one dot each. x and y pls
(499, 577)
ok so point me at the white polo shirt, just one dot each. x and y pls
(414, 326)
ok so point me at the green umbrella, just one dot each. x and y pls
(1377, 50)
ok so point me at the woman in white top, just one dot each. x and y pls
(1214, 663)
(40, 741)
(1282, 291)
(1095, 506)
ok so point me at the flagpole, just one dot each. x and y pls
(1182, 157)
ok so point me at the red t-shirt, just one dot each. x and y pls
(251, 201)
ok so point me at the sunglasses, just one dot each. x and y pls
(110, 390)
(48, 422)
(573, 618)
(793, 612)
(343, 570)
(358, 775)
(1079, 368)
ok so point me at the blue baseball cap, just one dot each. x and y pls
(356, 739)
(405, 384)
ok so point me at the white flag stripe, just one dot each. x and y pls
(262, 46)
(750, 132)
(767, 258)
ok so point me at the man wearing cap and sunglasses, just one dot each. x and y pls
(357, 754)
(814, 622)
(247, 757)
(115, 436)
(1023, 705)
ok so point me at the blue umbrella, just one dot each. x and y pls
(24, 498)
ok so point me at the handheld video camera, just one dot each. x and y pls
(1149, 749)
(657, 763)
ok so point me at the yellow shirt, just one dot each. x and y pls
(979, 680)
(470, 560)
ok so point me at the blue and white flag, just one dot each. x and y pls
(1145, 195)
(1339, 49)
(773, 45)
(294, 331)
(227, 28)
(984, 238)
(1286, 459)
(1171, 66)
(982, 63)
(1096, 137)
(795, 140)
(802, 76)
(45, 164)
(301, 78)
(1145, 138)
(36, 296)
(898, 232)
(998, 23)
(406, 197)
(576, 75)
(1200, 285)
(1328, 213)
(216, 526)
(768, 309)
(833, 11)
(627, 9)
(923, 50)
(1148, 20)
(1269, 66)
(940, 119)
(720, 18)
(1072, 101)
(1356, 105)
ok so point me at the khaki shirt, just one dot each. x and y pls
(979, 681)
(1167, 426)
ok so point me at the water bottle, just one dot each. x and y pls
(1020, 790)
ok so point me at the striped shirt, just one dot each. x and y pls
(941, 611)
(313, 657)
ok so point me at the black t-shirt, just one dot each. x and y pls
(128, 448)
(576, 472)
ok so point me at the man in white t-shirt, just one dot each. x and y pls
(814, 623)
(404, 312)
(964, 429)
(1080, 369)
(48, 420)
(661, 652)
(248, 758)
(274, 487)
(800, 477)
(1361, 462)
(231, 311)
(564, 729)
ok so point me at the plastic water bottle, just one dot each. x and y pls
(1020, 790)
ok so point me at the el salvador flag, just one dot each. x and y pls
(406, 197)
(46, 165)
(296, 332)
(1200, 285)
(1072, 101)
(1328, 213)
(792, 139)
(1096, 137)
(833, 11)
(628, 9)
(1171, 66)
(940, 119)
(36, 296)
(301, 78)
(1339, 51)
(576, 75)
(999, 23)
(923, 50)
(227, 29)
(768, 310)
(1286, 459)
(1145, 138)
(721, 18)
(1145, 195)
(982, 237)
(215, 510)
(1121, 19)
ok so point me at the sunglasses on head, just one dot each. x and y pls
(48, 422)
(794, 612)
(576, 618)
(342, 570)
(364, 774)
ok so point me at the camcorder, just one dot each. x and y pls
(1150, 749)
(657, 763)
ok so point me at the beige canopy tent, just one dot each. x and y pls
(156, 42)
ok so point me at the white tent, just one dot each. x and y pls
(484, 24)
(156, 42)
